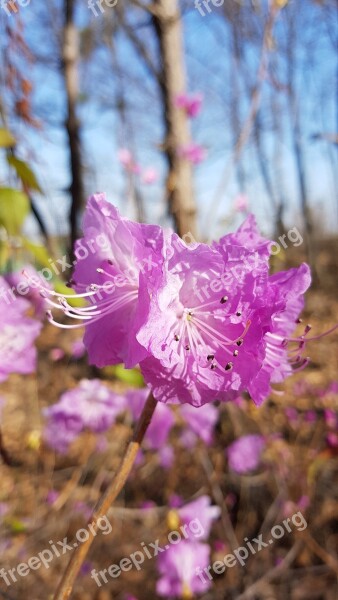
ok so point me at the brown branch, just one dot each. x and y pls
(66, 585)
(273, 573)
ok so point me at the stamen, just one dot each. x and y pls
(210, 357)
(176, 338)
(236, 353)
(229, 366)
(240, 342)
(224, 299)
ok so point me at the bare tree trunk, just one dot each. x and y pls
(70, 59)
(296, 130)
(168, 27)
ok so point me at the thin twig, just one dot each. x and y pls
(66, 585)
(273, 573)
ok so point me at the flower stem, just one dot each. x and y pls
(66, 585)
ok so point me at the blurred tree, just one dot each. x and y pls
(70, 64)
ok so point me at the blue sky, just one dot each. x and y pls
(211, 70)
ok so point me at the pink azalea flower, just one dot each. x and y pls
(29, 281)
(193, 152)
(244, 455)
(128, 162)
(166, 456)
(149, 176)
(17, 335)
(202, 510)
(204, 323)
(191, 103)
(91, 405)
(241, 203)
(78, 349)
(224, 328)
(56, 354)
(331, 418)
(201, 420)
(52, 497)
(332, 439)
(177, 567)
(117, 279)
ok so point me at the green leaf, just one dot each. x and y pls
(15, 525)
(14, 208)
(7, 140)
(131, 376)
(39, 252)
(24, 172)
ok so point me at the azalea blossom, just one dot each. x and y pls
(244, 454)
(241, 203)
(128, 162)
(194, 153)
(117, 281)
(17, 335)
(204, 322)
(91, 405)
(149, 176)
(177, 567)
(223, 328)
(191, 103)
(29, 281)
(202, 510)
(201, 421)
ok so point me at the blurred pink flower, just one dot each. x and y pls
(193, 152)
(177, 567)
(310, 416)
(241, 203)
(200, 509)
(56, 354)
(52, 496)
(201, 420)
(17, 335)
(332, 439)
(149, 176)
(128, 162)
(191, 103)
(331, 418)
(244, 454)
(292, 414)
(29, 280)
(78, 349)
(166, 456)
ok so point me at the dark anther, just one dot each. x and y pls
(187, 347)
(236, 353)
(213, 366)
(210, 357)
(299, 321)
(239, 342)
(176, 338)
(224, 299)
(229, 366)
(238, 313)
